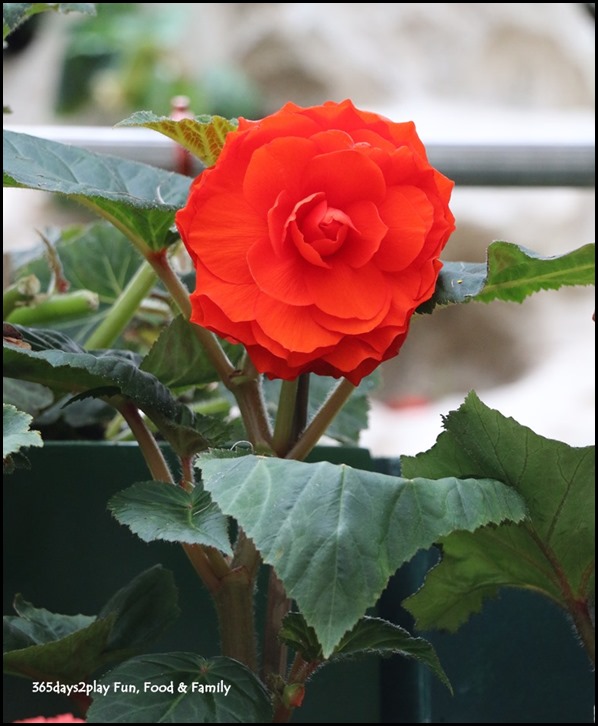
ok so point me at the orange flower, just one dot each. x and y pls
(315, 236)
(62, 718)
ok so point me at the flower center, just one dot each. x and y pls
(317, 230)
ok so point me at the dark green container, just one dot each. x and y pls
(64, 551)
(516, 662)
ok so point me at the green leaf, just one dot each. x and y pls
(94, 257)
(141, 610)
(511, 273)
(14, 14)
(551, 552)
(29, 397)
(40, 644)
(139, 200)
(179, 360)
(219, 690)
(59, 362)
(335, 534)
(159, 511)
(202, 136)
(36, 626)
(16, 435)
(369, 636)
(67, 660)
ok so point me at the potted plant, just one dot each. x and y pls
(314, 235)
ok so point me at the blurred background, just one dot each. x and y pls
(476, 78)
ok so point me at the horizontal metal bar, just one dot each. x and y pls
(471, 165)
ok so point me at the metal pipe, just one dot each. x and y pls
(470, 165)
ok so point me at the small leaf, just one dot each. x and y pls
(511, 273)
(202, 136)
(142, 610)
(551, 552)
(335, 534)
(369, 636)
(194, 690)
(179, 360)
(68, 659)
(38, 625)
(14, 14)
(139, 200)
(40, 644)
(16, 433)
(159, 511)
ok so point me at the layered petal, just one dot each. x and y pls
(315, 237)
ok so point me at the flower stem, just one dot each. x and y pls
(203, 562)
(320, 422)
(23, 291)
(59, 307)
(123, 309)
(152, 454)
(285, 417)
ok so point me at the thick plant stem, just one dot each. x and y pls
(275, 653)
(234, 605)
(320, 422)
(123, 309)
(285, 417)
(250, 400)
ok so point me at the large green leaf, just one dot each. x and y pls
(159, 511)
(40, 644)
(335, 534)
(203, 136)
(552, 551)
(138, 199)
(369, 636)
(60, 363)
(510, 273)
(14, 14)
(194, 690)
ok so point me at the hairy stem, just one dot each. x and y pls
(275, 653)
(234, 605)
